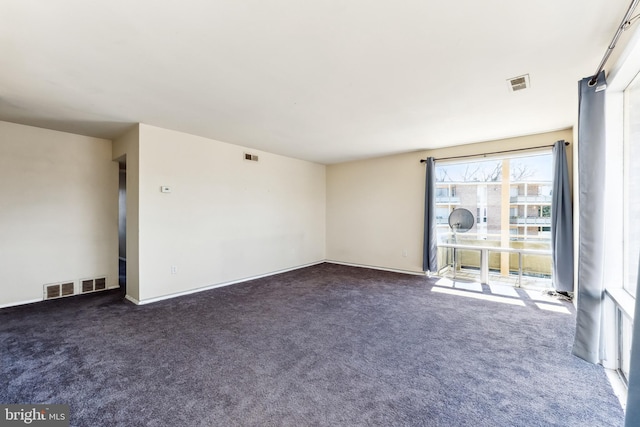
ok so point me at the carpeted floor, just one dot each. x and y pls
(327, 345)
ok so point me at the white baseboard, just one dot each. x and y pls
(373, 267)
(132, 299)
(13, 304)
(218, 285)
(245, 279)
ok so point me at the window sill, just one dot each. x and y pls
(622, 299)
(618, 386)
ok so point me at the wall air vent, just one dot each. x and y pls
(519, 83)
(87, 285)
(92, 285)
(52, 291)
(58, 290)
(251, 157)
(67, 289)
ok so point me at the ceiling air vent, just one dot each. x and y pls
(518, 83)
(251, 157)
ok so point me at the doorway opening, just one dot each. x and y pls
(122, 226)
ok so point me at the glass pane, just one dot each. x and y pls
(484, 171)
(516, 217)
(632, 185)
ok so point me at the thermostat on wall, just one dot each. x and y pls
(165, 189)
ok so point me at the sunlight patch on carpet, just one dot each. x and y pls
(484, 297)
(539, 296)
(504, 290)
(552, 307)
(469, 286)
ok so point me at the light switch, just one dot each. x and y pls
(165, 189)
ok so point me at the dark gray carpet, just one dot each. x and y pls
(325, 345)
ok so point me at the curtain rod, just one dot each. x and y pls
(494, 152)
(626, 23)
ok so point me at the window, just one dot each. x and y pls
(519, 217)
(623, 213)
(631, 251)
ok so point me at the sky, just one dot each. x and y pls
(536, 168)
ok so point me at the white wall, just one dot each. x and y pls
(226, 218)
(375, 212)
(375, 207)
(58, 211)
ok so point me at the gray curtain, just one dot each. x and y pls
(430, 244)
(591, 157)
(632, 416)
(561, 222)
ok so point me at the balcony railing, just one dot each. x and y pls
(530, 199)
(450, 200)
(530, 220)
(484, 260)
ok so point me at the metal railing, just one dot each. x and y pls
(530, 199)
(534, 220)
(449, 200)
(445, 234)
(484, 257)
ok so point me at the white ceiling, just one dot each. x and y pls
(324, 80)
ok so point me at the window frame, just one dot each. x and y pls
(618, 301)
(480, 205)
